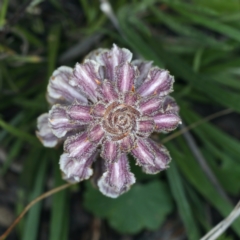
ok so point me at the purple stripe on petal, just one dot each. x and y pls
(80, 113)
(44, 132)
(60, 91)
(110, 151)
(143, 68)
(145, 126)
(78, 146)
(86, 77)
(149, 106)
(98, 109)
(112, 58)
(158, 82)
(60, 122)
(108, 91)
(166, 122)
(95, 133)
(130, 98)
(127, 143)
(143, 153)
(125, 75)
(161, 161)
(118, 178)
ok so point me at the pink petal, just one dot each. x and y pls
(143, 68)
(107, 91)
(78, 146)
(118, 179)
(112, 58)
(95, 133)
(161, 160)
(44, 132)
(127, 143)
(110, 151)
(69, 179)
(130, 98)
(158, 82)
(60, 91)
(86, 77)
(60, 122)
(143, 153)
(125, 75)
(81, 113)
(151, 105)
(166, 122)
(77, 169)
(98, 109)
(145, 126)
(95, 53)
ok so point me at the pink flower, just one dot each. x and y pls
(114, 104)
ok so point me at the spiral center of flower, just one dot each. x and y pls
(119, 120)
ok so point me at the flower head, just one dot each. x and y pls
(109, 104)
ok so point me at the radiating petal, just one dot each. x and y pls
(86, 77)
(125, 76)
(170, 105)
(143, 68)
(60, 91)
(78, 146)
(112, 58)
(161, 160)
(166, 122)
(59, 121)
(145, 126)
(110, 150)
(143, 153)
(130, 98)
(158, 82)
(44, 132)
(69, 179)
(78, 169)
(81, 113)
(95, 53)
(118, 179)
(95, 133)
(98, 109)
(107, 91)
(150, 106)
(127, 143)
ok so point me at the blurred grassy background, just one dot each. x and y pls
(198, 41)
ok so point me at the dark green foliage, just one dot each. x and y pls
(148, 203)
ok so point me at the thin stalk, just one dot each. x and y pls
(33, 202)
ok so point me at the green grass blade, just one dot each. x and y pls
(59, 205)
(211, 24)
(182, 202)
(53, 45)
(3, 12)
(185, 30)
(18, 133)
(33, 218)
(212, 133)
(195, 175)
(13, 152)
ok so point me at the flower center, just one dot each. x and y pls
(119, 120)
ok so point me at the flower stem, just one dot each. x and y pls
(33, 202)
